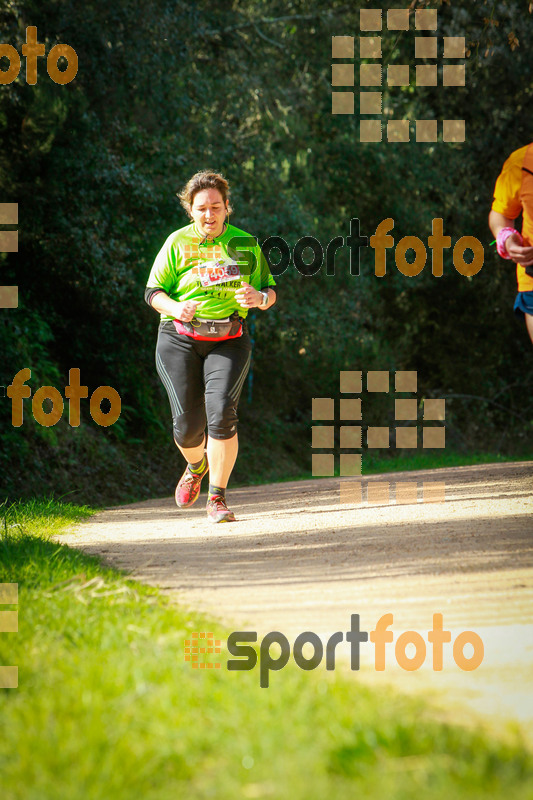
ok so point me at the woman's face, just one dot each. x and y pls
(208, 210)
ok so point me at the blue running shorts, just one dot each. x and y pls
(523, 303)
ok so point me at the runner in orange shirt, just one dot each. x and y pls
(513, 195)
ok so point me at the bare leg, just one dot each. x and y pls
(529, 325)
(221, 454)
(192, 455)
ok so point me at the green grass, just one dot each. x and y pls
(43, 517)
(107, 708)
(374, 463)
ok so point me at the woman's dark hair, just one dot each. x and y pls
(203, 180)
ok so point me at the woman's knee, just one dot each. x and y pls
(222, 418)
(189, 428)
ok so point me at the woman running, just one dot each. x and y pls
(203, 282)
(513, 195)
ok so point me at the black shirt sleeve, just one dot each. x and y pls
(150, 293)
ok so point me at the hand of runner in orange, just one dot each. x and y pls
(519, 254)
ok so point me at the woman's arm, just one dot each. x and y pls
(513, 244)
(248, 297)
(497, 221)
(165, 305)
(271, 299)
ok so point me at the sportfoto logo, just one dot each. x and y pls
(247, 657)
(31, 51)
(74, 392)
(426, 73)
(380, 242)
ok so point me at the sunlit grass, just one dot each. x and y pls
(107, 707)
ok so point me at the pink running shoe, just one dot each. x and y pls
(217, 510)
(188, 488)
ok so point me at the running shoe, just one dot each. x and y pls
(217, 510)
(188, 488)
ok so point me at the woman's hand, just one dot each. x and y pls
(247, 296)
(513, 244)
(187, 310)
(184, 311)
(520, 255)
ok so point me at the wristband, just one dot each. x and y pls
(502, 237)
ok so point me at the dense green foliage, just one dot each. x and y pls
(170, 87)
(107, 706)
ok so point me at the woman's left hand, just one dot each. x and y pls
(247, 296)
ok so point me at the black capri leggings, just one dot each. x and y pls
(204, 381)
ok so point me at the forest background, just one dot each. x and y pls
(169, 87)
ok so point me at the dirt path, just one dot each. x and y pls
(298, 560)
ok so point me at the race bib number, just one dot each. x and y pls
(212, 273)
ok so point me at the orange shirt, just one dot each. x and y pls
(513, 194)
